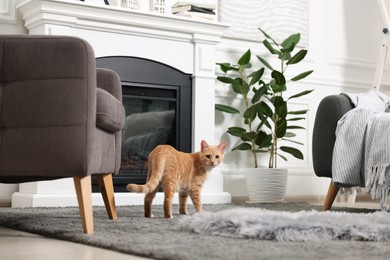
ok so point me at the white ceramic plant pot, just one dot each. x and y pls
(265, 184)
(234, 182)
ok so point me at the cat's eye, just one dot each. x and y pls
(217, 157)
(208, 156)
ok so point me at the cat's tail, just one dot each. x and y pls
(150, 186)
(137, 188)
(155, 173)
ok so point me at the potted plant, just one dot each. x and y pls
(266, 116)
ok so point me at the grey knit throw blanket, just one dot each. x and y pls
(361, 155)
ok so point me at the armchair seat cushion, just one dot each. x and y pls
(110, 114)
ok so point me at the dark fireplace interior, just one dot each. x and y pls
(158, 104)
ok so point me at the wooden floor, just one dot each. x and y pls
(17, 245)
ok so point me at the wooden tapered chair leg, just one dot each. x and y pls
(330, 196)
(83, 187)
(107, 190)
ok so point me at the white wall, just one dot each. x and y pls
(343, 41)
(10, 21)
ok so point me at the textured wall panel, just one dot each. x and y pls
(280, 18)
(7, 11)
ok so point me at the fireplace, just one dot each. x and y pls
(157, 100)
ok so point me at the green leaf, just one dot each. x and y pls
(288, 49)
(237, 87)
(243, 147)
(245, 58)
(236, 131)
(296, 118)
(290, 134)
(260, 108)
(264, 121)
(293, 151)
(302, 75)
(276, 88)
(292, 141)
(248, 136)
(285, 56)
(278, 77)
(246, 66)
(225, 67)
(270, 48)
(265, 63)
(263, 139)
(267, 36)
(295, 127)
(265, 110)
(258, 94)
(282, 128)
(290, 42)
(298, 112)
(250, 113)
(227, 80)
(245, 88)
(226, 109)
(301, 94)
(283, 157)
(256, 76)
(300, 55)
(280, 107)
(247, 121)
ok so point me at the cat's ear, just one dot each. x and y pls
(222, 146)
(203, 145)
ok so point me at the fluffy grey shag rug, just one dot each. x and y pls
(262, 224)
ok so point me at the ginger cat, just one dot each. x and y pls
(178, 171)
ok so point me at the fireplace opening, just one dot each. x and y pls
(158, 104)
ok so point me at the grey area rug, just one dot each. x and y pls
(262, 224)
(160, 238)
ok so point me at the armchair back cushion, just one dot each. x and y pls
(48, 101)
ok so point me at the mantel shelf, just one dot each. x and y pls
(117, 19)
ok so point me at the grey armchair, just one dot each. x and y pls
(59, 117)
(330, 110)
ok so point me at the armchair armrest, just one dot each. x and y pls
(109, 81)
(110, 113)
(329, 112)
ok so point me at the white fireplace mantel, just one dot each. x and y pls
(185, 44)
(116, 19)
